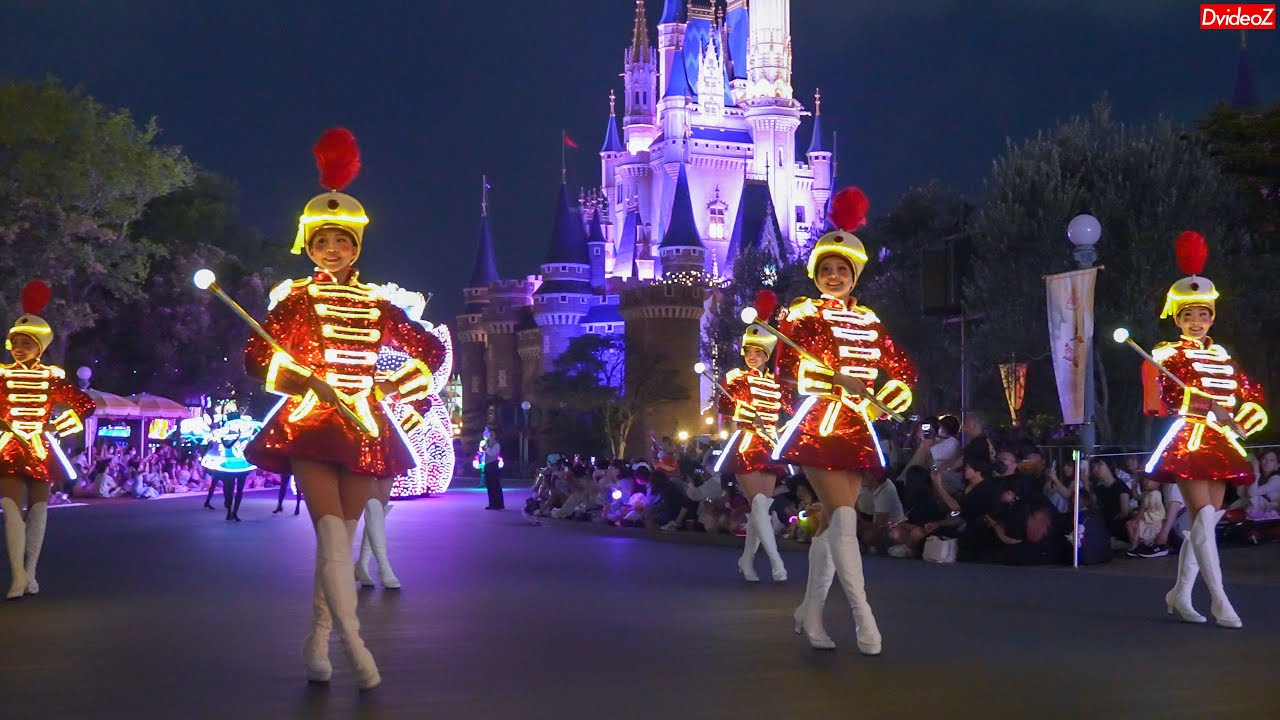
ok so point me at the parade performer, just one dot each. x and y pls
(28, 421)
(430, 441)
(754, 400)
(1201, 452)
(831, 434)
(224, 459)
(330, 431)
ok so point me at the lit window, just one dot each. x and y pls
(799, 213)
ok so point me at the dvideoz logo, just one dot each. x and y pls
(1238, 17)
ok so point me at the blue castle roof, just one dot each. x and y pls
(673, 11)
(595, 234)
(1244, 96)
(754, 220)
(683, 230)
(611, 142)
(678, 84)
(485, 270)
(605, 312)
(815, 142)
(568, 244)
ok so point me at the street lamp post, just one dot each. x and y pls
(1083, 231)
(524, 439)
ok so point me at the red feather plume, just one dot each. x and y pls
(1192, 252)
(849, 209)
(337, 158)
(766, 303)
(35, 297)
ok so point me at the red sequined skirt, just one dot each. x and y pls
(753, 458)
(1216, 459)
(849, 445)
(326, 436)
(19, 462)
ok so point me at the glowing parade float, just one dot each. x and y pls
(431, 438)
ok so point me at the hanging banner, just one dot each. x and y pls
(1070, 304)
(1013, 376)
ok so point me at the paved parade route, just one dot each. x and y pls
(163, 610)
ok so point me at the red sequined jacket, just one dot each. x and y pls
(31, 393)
(334, 331)
(1199, 445)
(831, 429)
(755, 395)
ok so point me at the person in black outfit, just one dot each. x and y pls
(493, 470)
(981, 498)
(1112, 497)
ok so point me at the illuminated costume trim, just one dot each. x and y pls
(331, 328)
(831, 429)
(1199, 445)
(756, 395)
(31, 392)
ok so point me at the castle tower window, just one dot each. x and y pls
(800, 213)
(502, 379)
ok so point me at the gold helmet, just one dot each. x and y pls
(338, 159)
(1192, 252)
(35, 297)
(755, 337)
(848, 213)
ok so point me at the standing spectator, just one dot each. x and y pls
(493, 471)
(976, 442)
(946, 452)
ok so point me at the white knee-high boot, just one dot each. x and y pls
(1205, 544)
(746, 563)
(15, 540)
(809, 615)
(37, 519)
(315, 650)
(375, 533)
(843, 540)
(760, 505)
(1178, 600)
(333, 548)
(366, 554)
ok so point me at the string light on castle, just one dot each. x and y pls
(693, 278)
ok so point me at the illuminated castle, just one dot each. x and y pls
(704, 168)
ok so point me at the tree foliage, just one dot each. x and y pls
(1145, 184)
(600, 383)
(74, 177)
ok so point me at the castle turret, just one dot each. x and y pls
(596, 245)
(470, 351)
(565, 293)
(771, 111)
(663, 326)
(671, 27)
(1243, 94)
(682, 247)
(819, 160)
(640, 76)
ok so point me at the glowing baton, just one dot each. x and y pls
(1121, 335)
(749, 316)
(206, 280)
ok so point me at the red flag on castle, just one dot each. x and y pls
(568, 141)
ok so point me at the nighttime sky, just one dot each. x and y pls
(441, 91)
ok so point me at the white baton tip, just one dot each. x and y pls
(1120, 335)
(203, 278)
(749, 315)
(699, 368)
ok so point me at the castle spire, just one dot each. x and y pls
(640, 35)
(611, 142)
(816, 144)
(485, 270)
(1244, 96)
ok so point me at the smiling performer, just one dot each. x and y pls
(27, 446)
(831, 434)
(1201, 452)
(756, 399)
(331, 327)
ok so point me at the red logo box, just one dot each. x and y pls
(1255, 16)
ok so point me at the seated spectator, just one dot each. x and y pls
(924, 514)
(880, 509)
(1261, 499)
(980, 499)
(1144, 526)
(1112, 501)
(944, 447)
